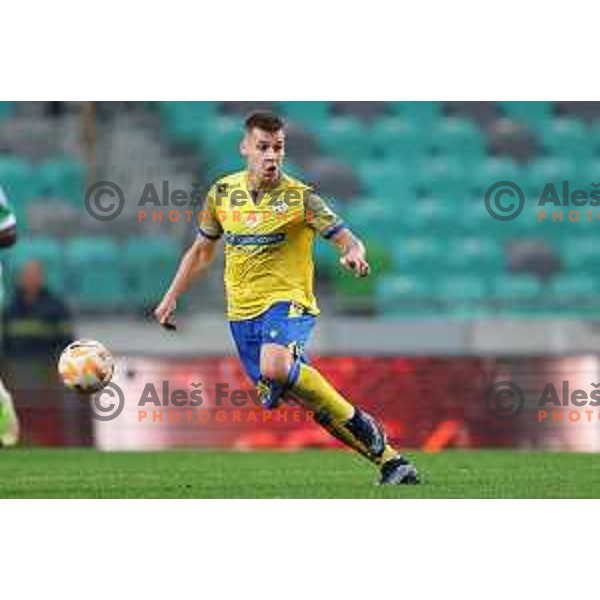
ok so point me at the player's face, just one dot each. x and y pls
(264, 153)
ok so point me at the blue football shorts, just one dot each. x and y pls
(284, 323)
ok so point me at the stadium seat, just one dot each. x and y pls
(481, 112)
(63, 178)
(95, 274)
(554, 170)
(405, 295)
(533, 114)
(462, 295)
(475, 255)
(574, 295)
(334, 179)
(363, 111)
(400, 141)
(6, 109)
(492, 170)
(567, 137)
(418, 254)
(310, 114)
(443, 177)
(345, 138)
(17, 179)
(150, 262)
(458, 139)
(518, 294)
(388, 178)
(422, 114)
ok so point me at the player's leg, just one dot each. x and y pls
(9, 423)
(284, 370)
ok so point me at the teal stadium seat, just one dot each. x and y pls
(345, 138)
(518, 294)
(375, 217)
(554, 170)
(423, 254)
(406, 295)
(63, 178)
(462, 295)
(17, 179)
(474, 255)
(492, 170)
(150, 262)
(388, 179)
(533, 114)
(575, 295)
(422, 115)
(220, 140)
(95, 273)
(6, 108)
(399, 141)
(309, 114)
(444, 177)
(458, 139)
(568, 137)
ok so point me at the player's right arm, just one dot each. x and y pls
(195, 261)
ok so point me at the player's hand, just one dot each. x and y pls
(164, 311)
(355, 261)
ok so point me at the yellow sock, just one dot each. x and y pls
(320, 395)
(317, 394)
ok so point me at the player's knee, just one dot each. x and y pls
(275, 370)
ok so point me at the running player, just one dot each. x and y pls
(269, 221)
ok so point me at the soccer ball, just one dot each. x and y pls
(86, 366)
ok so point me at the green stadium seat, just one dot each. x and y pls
(462, 295)
(419, 254)
(569, 138)
(534, 114)
(399, 140)
(63, 178)
(47, 251)
(220, 140)
(151, 262)
(432, 215)
(174, 113)
(518, 294)
(388, 179)
(310, 114)
(574, 294)
(17, 179)
(473, 255)
(443, 177)
(95, 274)
(345, 138)
(421, 114)
(406, 296)
(459, 139)
(492, 170)
(6, 108)
(375, 217)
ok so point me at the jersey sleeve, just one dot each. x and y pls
(321, 217)
(7, 216)
(207, 224)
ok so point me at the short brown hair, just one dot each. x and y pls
(265, 120)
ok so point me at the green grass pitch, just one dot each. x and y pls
(71, 473)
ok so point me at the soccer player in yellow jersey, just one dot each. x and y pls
(268, 221)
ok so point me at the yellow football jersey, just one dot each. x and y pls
(269, 240)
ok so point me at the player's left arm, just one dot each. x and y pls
(324, 220)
